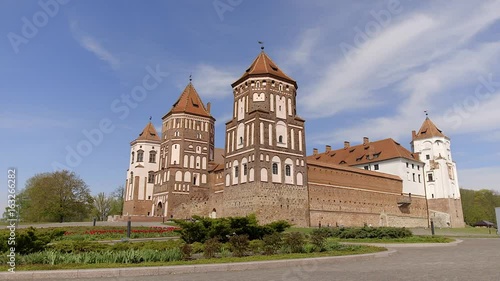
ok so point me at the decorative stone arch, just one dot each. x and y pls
(228, 179)
(240, 136)
(263, 174)
(276, 169)
(187, 176)
(236, 171)
(300, 179)
(289, 171)
(244, 170)
(251, 175)
(281, 134)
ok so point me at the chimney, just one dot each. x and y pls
(413, 134)
(347, 144)
(315, 151)
(208, 107)
(366, 140)
(328, 148)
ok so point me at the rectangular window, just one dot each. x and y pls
(414, 177)
(419, 178)
(430, 177)
(245, 169)
(427, 157)
(376, 167)
(413, 166)
(236, 171)
(366, 167)
(407, 165)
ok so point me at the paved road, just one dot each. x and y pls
(474, 259)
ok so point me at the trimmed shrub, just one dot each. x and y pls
(186, 251)
(256, 246)
(197, 247)
(295, 241)
(272, 243)
(239, 244)
(318, 238)
(211, 247)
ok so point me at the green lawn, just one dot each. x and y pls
(460, 232)
(414, 239)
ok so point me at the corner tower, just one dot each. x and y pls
(187, 145)
(265, 167)
(141, 172)
(440, 175)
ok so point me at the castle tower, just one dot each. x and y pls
(141, 172)
(265, 168)
(187, 145)
(440, 175)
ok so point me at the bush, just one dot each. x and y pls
(371, 232)
(318, 238)
(256, 246)
(202, 229)
(211, 247)
(29, 240)
(197, 247)
(186, 251)
(295, 242)
(272, 243)
(239, 244)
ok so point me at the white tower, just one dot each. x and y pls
(440, 174)
(144, 155)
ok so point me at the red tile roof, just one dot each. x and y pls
(428, 130)
(190, 102)
(365, 153)
(149, 133)
(264, 66)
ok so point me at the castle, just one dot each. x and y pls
(263, 168)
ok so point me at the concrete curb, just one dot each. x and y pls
(409, 245)
(181, 269)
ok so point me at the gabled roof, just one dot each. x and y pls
(190, 102)
(264, 66)
(149, 133)
(365, 153)
(428, 130)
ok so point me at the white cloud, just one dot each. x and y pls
(213, 82)
(308, 41)
(27, 122)
(92, 45)
(97, 49)
(480, 178)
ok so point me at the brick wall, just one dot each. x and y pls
(446, 212)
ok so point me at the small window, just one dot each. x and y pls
(194, 180)
(430, 178)
(407, 165)
(245, 169)
(376, 167)
(366, 167)
(236, 171)
(280, 139)
(413, 177)
(151, 177)
(275, 168)
(241, 140)
(140, 156)
(419, 180)
(288, 170)
(413, 166)
(427, 157)
(133, 156)
(418, 167)
(152, 156)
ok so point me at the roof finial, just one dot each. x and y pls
(150, 117)
(190, 77)
(261, 45)
(426, 113)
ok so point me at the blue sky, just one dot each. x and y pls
(364, 68)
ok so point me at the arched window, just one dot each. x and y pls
(152, 156)
(133, 156)
(151, 177)
(140, 156)
(288, 171)
(131, 177)
(275, 168)
(280, 139)
(245, 169)
(236, 171)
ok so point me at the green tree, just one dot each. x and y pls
(55, 197)
(479, 205)
(117, 201)
(102, 206)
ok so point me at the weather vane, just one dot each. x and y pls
(190, 77)
(261, 45)
(150, 117)
(426, 113)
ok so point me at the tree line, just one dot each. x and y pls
(63, 196)
(479, 205)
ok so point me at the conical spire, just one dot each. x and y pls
(190, 102)
(264, 66)
(149, 133)
(428, 130)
